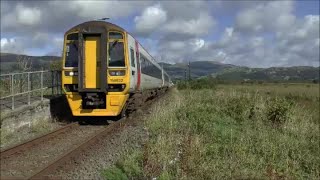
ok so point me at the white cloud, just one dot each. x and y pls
(24, 45)
(100, 9)
(269, 16)
(7, 41)
(194, 26)
(28, 16)
(197, 44)
(265, 33)
(151, 18)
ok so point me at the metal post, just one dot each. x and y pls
(41, 85)
(56, 81)
(60, 82)
(185, 75)
(21, 83)
(29, 90)
(52, 83)
(12, 93)
(189, 71)
(31, 80)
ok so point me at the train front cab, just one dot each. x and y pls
(99, 84)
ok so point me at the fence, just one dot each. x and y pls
(24, 87)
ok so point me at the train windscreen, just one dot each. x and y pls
(116, 54)
(72, 54)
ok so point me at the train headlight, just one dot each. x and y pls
(117, 72)
(71, 73)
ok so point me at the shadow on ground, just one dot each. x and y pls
(61, 112)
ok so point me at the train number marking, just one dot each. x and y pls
(116, 80)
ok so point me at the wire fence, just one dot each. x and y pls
(23, 88)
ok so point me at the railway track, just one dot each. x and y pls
(41, 157)
(28, 159)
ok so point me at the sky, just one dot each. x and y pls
(246, 33)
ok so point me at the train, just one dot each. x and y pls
(103, 67)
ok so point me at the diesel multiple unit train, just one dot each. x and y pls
(103, 66)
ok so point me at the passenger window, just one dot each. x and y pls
(132, 58)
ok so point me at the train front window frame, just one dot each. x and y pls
(71, 51)
(116, 43)
(116, 56)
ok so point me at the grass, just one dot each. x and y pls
(35, 128)
(231, 132)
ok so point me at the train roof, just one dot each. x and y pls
(104, 24)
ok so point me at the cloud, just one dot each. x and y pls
(250, 33)
(33, 23)
(25, 44)
(199, 26)
(58, 16)
(269, 16)
(150, 20)
(28, 16)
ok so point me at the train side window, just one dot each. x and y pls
(133, 64)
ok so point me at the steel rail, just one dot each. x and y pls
(43, 172)
(24, 145)
(72, 154)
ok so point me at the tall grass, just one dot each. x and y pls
(227, 134)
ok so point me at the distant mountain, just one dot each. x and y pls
(8, 61)
(294, 74)
(240, 73)
(8, 57)
(197, 69)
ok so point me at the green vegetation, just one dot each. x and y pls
(265, 131)
(201, 83)
(32, 129)
(21, 63)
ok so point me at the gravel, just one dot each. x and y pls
(24, 164)
(129, 135)
(104, 153)
(107, 151)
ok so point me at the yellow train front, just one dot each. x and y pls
(101, 68)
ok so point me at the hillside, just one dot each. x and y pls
(238, 73)
(293, 74)
(9, 61)
(198, 69)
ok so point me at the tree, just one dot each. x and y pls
(56, 65)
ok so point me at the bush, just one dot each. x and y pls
(239, 108)
(278, 110)
(114, 173)
(130, 166)
(56, 65)
(202, 83)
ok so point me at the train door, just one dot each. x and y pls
(92, 62)
(133, 67)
